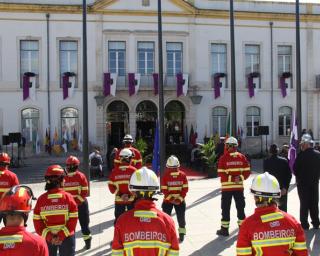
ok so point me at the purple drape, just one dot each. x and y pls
(65, 85)
(26, 86)
(132, 84)
(283, 86)
(250, 86)
(179, 84)
(106, 84)
(216, 86)
(155, 83)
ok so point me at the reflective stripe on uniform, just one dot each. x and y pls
(146, 244)
(44, 214)
(76, 188)
(84, 188)
(53, 196)
(272, 217)
(162, 252)
(240, 222)
(80, 198)
(120, 182)
(36, 217)
(225, 224)
(244, 251)
(172, 252)
(174, 173)
(145, 214)
(11, 239)
(86, 237)
(234, 169)
(185, 186)
(174, 188)
(274, 242)
(172, 196)
(182, 231)
(119, 199)
(300, 246)
(73, 214)
(117, 252)
(164, 187)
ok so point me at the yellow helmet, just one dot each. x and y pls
(144, 179)
(266, 185)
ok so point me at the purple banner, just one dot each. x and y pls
(216, 85)
(283, 86)
(132, 84)
(106, 84)
(155, 83)
(26, 86)
(250, 86)
(179, 84)
(65, 85)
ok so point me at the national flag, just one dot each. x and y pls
(48, 142)
(37, 143)
(156, 151)
(74, 142)
(56, 145)
(64, 143)
(80, 140)
(294, 142)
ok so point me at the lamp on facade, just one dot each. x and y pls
(99, 99)
(195, 98)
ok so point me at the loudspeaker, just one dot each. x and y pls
(5, 140)
(15, 137)
(263, 130)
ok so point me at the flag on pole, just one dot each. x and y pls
(74, 142)
(294, 142)
(64, 144)
(56, 146)
(48, 141)
(80, 140)
(228, 128)
(156, 151)
(37, 143)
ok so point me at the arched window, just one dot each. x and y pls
(285, 116)
(174, 122)
(69, 123)
(146, 116)
(219, 120)
(30, 123)
(253, 121)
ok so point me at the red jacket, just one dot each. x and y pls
(21, 243)
(7, 180)
(174, 185)
(77, 185)
(55, 213)
(271, 232)
(233, 169)
(119, 183)
(136, 159)
(145, 231)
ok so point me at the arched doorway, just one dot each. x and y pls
(174, 122)
(117, 122)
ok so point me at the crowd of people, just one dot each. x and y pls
(142, 229)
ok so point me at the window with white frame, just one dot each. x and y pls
(174, 58)
(219, 120)
(117, 57)
(252, 53)
(30, 123)
(29, 59)
(219, 58)
(69, 123)
(68, 53)
(253, 118)
(285, 60)
(145, 58)
(285, 116)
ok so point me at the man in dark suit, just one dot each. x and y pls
(279, 167)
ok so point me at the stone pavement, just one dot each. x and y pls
(202, 216)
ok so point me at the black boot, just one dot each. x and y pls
(181, 237)
(88, 243)
(223, 232)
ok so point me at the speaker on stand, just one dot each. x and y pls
(5, 141)
(263, 130)
(15, 137)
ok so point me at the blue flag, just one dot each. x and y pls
(156, 153)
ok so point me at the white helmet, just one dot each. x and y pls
(232, 141)
(125, 153)
(128, 138)
(173, 162)
(144, 179)
(266, 185)
(306, 138)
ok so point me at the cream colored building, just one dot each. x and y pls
(122, 39)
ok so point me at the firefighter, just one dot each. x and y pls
(136, 159)
(56, 214)
(174, 185)
(270, 231)
(233, 169)
(8, 179)
(15, 240)
(145, 230)
(119, 181)
(77, 185)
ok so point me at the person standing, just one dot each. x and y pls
(270, 231)
(233, 169)
(279, 167)
(144, 230)
(15, 240)
(119, 181)
(307, 171)
(56, 214)
(174, 186)
(77, 185)
(95, 160)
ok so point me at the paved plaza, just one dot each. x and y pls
(202, 216)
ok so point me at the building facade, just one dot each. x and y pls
(41, 69)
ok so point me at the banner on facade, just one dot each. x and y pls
(29, 86)
(218, 84)
(109, 84)
(68, 84)
(155, 83)
(285, 81)
(182, 84)
(253, 83)
(134, 83)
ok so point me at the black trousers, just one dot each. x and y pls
(84, 220)
(283, 202)
(309, 200)
(180, 212)
(121, 208)
(226, 197)
(67, 248)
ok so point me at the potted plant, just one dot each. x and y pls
(142, 146)
(208, 158)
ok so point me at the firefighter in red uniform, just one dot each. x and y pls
(119, 181)
(145, 230)
(174, 185)
(270, 231)
(233, 169)
(14, 238)
(56, 214)
(136, 159)
(77, 185)
(8, 179)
